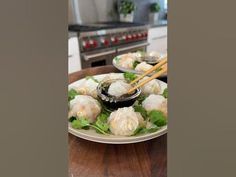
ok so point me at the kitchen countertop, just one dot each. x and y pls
(159, 23)
(87, 159)
(71, 34)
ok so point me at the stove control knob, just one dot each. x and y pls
(145, 34)
(139, 35)
(105, 42)
(124, 37)
(86, 44)
(129, 37)
(114, 39)
(134, 36)
(93, 43)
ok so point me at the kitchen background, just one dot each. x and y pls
(89, 12)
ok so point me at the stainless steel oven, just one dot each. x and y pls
(105, 57)
(132, 48)
(93, 59)
(100, 43)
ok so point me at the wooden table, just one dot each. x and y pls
(90, 159)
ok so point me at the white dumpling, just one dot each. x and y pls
(152, 87)
(127, 61)
(88, 87)
(155, 102)
(118, 88)
(124, 121)
(84, 106)
(143, 66)
(113, 76)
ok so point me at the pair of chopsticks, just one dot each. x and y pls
(162, 65)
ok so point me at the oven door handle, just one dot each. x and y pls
(132, 47)
(88, 57)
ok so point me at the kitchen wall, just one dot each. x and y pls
(142, 12)
(90, 11)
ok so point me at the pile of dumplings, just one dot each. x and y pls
(127, 61)
(123, 121)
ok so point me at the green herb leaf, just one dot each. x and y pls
(99, 130)
(71, 119)
(143, 130)
(117, 59)
(141, 110)
(71, 94)
(135, 64)
(152, 129)
(103, 126)
(80, 123)
(157, 118)
(138, 130)
(101, 122)
(91, 77)
(130, 76)
(165, 93)
(141, 52)
(141, 98)
(103, 117)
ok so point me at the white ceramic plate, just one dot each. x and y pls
(115, 64)
(91, 134)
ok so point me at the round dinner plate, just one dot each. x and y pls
(92, 135)
(115, 64)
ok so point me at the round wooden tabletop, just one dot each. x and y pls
(90, 159)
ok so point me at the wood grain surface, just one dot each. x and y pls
(90, 159)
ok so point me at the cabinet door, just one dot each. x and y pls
(157, 38)
(158, 44)
(74, 62)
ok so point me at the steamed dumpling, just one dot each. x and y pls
(118, 88)
(88, 87)
(124, 121)
(155, 102)
(152, 87)
(84, 106)
(127, 61)
(113, 76)
(143, 66)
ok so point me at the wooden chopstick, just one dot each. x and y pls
(154, 76)
(162, 62)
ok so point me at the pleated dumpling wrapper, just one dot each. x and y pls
(152, 87)
(88, 87)
(119, 88)
(127, 61)
(125, 121)
(155, 102)
(84, 106)
(143, 66)
(112, 76)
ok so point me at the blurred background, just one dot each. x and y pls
(99, 30)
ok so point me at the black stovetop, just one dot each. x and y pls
(101, 26)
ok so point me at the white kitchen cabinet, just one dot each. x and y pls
(74, 62)
(157, 38)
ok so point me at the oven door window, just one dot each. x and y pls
(98, 59)
(98, 63)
